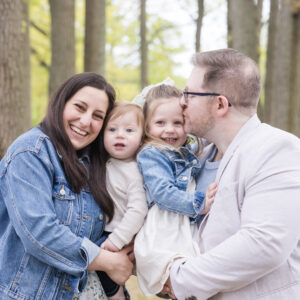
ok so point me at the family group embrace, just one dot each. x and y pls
(187, 190)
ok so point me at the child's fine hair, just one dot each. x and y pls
(156, 96)
(123, 107)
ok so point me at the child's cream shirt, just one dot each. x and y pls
(125, 186)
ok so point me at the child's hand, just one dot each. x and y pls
(109, 245)
(209, 197)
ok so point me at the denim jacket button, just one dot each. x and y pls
(100, 217)
(62, 191)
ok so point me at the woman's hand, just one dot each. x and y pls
(117, 265)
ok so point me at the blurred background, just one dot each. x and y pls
(134, 43)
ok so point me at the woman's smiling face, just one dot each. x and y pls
(83, 116)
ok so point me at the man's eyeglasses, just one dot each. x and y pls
(186, 95)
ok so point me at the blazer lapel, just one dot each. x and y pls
(248, 128)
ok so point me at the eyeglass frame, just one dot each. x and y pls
(186, 93)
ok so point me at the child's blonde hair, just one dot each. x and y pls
(123, 107)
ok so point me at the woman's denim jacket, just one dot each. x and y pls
(167, 173)
(48, 233)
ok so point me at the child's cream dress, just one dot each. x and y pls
(164, 237)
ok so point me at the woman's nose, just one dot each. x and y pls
(85, 120)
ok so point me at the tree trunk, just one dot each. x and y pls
(242, 18)
(199, 24)
(295, 80)
(144, 46)
(62, 42)
(25, 70)
(94, 44)
(270, 65)
(259, 7)
(14, 71)
(282, 67)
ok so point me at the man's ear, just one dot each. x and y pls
(222, 106)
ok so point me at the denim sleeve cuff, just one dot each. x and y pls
(199, 202)
(78, 283)
(91, 250)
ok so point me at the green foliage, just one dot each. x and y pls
(122, 49)
(262, 68)
(79, 35)
(40, 57)
(123, 40)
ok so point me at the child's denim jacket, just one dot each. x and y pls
(48, 233)
(167, 173)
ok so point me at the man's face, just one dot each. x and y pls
(197, 111)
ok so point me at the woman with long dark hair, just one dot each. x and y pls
(53, 198)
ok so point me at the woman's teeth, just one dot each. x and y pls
(77, 130)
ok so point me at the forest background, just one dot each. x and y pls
(134, 43)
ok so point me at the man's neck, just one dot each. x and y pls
(224, 133)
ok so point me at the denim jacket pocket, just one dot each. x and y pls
(182, 182)
(63, 199)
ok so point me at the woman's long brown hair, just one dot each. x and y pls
(52, 125)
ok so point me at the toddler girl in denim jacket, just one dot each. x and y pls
(168, 166)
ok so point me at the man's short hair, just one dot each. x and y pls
(232, 74)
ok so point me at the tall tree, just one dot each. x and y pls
(244, 23)
(295, 78)
(62, 42)
(144, 46)
(270, 63)
(195, 10)
(280, 112)
(200, 10)
(244, 26)
(14, 71)
(94, 44)
(25, 71)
